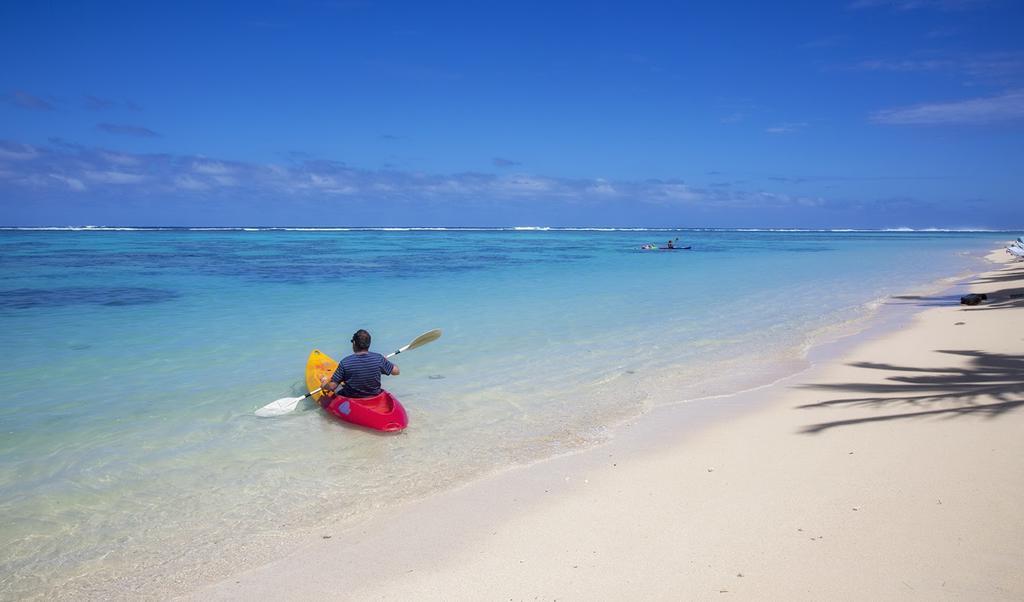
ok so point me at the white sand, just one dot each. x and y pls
(913, 491)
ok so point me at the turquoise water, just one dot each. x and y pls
(133, 361)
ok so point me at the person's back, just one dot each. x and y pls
(359, 373)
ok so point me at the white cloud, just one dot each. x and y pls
(529, 184)
(72, 183)
(114, 177)
(187, 182)
(906, 65)
(320, 181)
(786, 128)
(210, 167)
(997, 68)
(65, 167)
(18, 152)
(908, 5)
(602, 187)
(974, 111)
(120, 158)
(676, 192)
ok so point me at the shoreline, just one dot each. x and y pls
(462, 518)
(294, 493)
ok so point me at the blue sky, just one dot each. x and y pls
(863, 113)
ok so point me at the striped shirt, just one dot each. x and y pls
(361, 374)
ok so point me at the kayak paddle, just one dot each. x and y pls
(286, 405)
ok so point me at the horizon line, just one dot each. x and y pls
(896, 229)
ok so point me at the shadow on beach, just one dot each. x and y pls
(924, 301)
(1001, 299)
(997, 299)
(1008, 274)
(991, 384)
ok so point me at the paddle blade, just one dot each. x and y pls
(282, 406)
(423, 339)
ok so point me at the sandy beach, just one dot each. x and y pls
(693, 270)
(890, 470)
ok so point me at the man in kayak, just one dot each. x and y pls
(359, 374)
(671, 245)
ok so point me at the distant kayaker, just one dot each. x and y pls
(359, 373)
(671, 245)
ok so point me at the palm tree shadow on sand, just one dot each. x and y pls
(950, 392)
(1001, 298)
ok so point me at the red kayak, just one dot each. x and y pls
(382, 412)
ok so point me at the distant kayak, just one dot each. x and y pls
(674, 248)
(382, 412)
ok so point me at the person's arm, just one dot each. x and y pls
(386, 367)
(329, 389)
(337, 379)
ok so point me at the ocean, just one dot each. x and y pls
(133, 359)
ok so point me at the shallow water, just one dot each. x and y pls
(134, 360)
